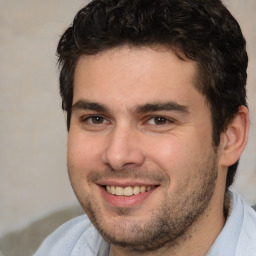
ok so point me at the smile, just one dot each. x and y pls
(128, 191)
(126, 194)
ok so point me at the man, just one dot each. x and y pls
(156, 112)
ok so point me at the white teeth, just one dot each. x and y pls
(136, 190)
(109, 189)
(127, 191)
(119, 191)
(112, 190)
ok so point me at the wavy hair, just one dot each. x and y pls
(203, 31)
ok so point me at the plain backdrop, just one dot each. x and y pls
(33, 176)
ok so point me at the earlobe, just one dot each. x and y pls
(235, 137)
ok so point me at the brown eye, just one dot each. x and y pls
(96, 120)
(160, 120)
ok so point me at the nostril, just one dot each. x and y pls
(122, 150)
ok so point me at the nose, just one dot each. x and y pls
(123, 149)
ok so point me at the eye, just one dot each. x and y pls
(95, 120)
(159, 120)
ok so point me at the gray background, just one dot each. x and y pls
(35, 195)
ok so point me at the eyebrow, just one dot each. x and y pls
(161, 106)
(87, 105)
(141, 109)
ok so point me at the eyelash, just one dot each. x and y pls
(103, 120)
(86, 119)
(160, 118)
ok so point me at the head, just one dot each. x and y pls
(202, 31)
(155, 98)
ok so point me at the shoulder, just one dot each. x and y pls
(249, 223)
(69, 237)
(247, 238)
(249, 214)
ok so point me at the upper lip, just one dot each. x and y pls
(125, 183)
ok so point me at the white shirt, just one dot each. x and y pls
(78, 237)
(238, 236)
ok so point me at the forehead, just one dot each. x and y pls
(136, 74)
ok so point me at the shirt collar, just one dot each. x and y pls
(226, 242)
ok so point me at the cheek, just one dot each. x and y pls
(179, 155)
(83, 153)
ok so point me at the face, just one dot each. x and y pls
(140, 153)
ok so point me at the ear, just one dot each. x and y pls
(235, 137)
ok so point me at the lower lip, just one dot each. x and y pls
(125, 201)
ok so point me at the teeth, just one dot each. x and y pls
(127, 191)
(136, 190)
(113, 190)
(119, 191)
(109, 189)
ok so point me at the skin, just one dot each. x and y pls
(137, 119)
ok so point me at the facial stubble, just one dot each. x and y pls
(166, 225)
